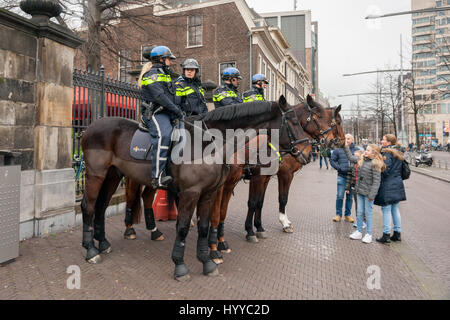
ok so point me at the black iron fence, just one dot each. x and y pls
(96, 96)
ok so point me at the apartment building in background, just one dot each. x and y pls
(431, 67)
(219, 34)
(302, 34)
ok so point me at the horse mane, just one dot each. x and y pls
(236, 111)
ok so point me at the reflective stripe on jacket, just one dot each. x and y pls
(225, 95)
(158, 88)
(190, 96)
(254, 94)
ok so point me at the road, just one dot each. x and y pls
(317, 261)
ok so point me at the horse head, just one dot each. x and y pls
(323, 124)
(292, 133)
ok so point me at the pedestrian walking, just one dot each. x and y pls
(340, 162)
(324, 153)
(392, 189)
(315, 151)
(370, 166)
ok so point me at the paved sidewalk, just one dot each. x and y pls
(432, 172)
(317, 261)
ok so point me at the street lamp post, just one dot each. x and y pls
(376, 16)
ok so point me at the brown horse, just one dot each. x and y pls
(106, 145)
(322, 124)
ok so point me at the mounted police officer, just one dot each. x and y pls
(256, 93)
(159, 92)
(227, 93)
(190, 94)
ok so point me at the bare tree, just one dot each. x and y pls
(417, 103)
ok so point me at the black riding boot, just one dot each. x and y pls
(384, 238)
(396, 236)
(162, 183)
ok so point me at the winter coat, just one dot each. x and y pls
(324, 152)
(225, 95)
(368, 178)
(158, 88)
(391, 189)
(340, 162)
(190, 96)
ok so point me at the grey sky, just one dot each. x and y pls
(348, 43)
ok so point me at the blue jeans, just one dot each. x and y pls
(340, 198)
(364, 209)
(387, 211)
(326, 161)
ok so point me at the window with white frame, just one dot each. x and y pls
(124, 65)
(194, 31)
(269, 78)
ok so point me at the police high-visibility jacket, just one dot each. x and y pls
(254, 94)
(190, 96)
(158, 88)
(225, 95)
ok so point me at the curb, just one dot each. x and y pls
(428, 175)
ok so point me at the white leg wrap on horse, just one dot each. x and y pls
(284, 220)
(153, 230)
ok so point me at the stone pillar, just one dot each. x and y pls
(48, 189)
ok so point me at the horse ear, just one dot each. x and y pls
(282, 101)
(338, 109)
(310, 101)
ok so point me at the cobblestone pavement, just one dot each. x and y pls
(317, 261)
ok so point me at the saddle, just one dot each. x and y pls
(140, 146)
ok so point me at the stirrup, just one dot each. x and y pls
(161, 183)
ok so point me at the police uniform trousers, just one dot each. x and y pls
(160, 128)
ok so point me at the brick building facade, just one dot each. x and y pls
(218, 34)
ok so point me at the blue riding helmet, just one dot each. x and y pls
(259, 77)
(161, 52)
(230, 73)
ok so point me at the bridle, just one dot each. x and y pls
(323, 135)
(293, 149)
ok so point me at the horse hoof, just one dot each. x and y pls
(210, 268)
(217, 261)
(104, 246)
(181, 271)
(214, 273)
(129, 234)
(157, 235)
(261, 235)
(183, 278)
(289, 229)
(108, 250)
(223, 247)
(95, 260)
(215, 254)
(252, 239)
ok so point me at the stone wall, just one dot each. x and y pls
(36, 63)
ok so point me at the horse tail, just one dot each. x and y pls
(133, 192)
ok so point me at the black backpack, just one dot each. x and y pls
(406, 171)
